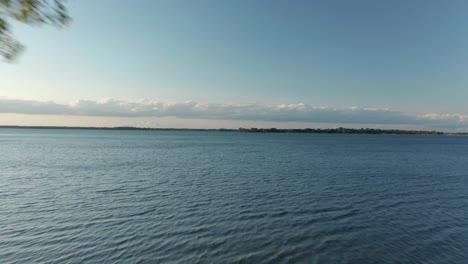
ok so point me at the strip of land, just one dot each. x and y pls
(340, 130)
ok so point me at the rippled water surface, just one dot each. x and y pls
(84, 196)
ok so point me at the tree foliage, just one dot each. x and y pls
(31, 12)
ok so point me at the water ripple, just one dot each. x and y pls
(201, 197)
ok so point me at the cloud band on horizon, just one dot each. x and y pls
(299, 112)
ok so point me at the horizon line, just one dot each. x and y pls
(339, 130)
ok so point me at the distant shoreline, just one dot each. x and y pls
(340, 130)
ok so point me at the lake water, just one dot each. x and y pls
(86, 196)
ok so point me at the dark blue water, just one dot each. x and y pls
(75, 196)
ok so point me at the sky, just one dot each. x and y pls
(269, 63)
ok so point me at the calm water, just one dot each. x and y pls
(71, 196)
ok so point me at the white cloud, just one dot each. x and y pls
(299, 112)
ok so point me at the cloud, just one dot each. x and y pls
(299, 112)
(444, 120)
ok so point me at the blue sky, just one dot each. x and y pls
(409, 57)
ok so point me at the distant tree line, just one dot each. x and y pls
(341, 130)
